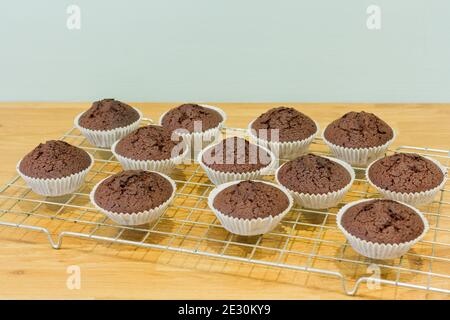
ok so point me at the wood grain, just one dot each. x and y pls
(29, 268)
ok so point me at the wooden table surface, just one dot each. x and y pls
(30, 268)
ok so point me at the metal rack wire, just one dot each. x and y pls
(306, 240)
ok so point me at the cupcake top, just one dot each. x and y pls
(406, 173)
(312, 174)
(358, 130)
(382, 221)
(108, 114)
(189, 116)
(148, 143)
(236, 155)
(292, 125)
(54, 159)
(251, 200)
(133, 191)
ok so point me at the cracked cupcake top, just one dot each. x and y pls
(236, 154)
(382, 221)
(133, 191)
(251, 200)
(187, 116)
(358, 130)
(313, 174)
(54, 159)
(108, 114)
(148, 143)
(292, 125)
(405, 172)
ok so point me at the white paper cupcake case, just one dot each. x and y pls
(284, 150)
(138, 218)
(248, 227)
(358, 156)
(379, 250)
(322, 201)
(59, 186)
(413, 198)
(203, 138)
(219, 177)
(163, 166)
(106, 138)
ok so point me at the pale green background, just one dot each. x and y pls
(225, 50)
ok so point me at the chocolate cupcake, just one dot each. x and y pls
(407, 177)
(249, 207)
(106, 121)
(198, 125)
(55, 168)
(133, 197)
(235, 159)
(381, 228)
(358, 137)
(284, 131)
(316, 182)
(149, 148)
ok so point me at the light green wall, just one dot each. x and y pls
(225, 50)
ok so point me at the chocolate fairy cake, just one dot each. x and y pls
(54, 159)
(358, 130)
(313, 174)
(108, 114)
(148, 143)
(405, 173)
(188, 116)
(291, 125)
(251, 200)
(236, 155)
(133, 191)
(382, 221)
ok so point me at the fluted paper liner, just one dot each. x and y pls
(412, 198)
(56, 186)
(358, 156)
(324, 200)
(219, 177)
(205, 137)
(248, 227)
(138, 218)
(164, 166)
(106, 138)
(379, 250)
(284, 150)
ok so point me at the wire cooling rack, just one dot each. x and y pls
(306, 240)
